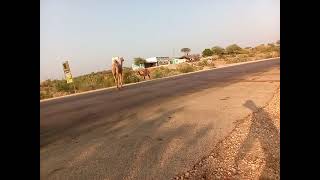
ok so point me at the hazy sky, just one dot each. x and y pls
(89, 32)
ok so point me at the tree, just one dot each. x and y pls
(233, 49)
(217, 50)
(195, 57)
(207, 52)
(139, 60)
(186, 51)
(278, 42)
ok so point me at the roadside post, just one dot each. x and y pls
(68, 75)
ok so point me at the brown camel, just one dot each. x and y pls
(117, 71)
(145, 72)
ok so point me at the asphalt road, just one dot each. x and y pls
(151, 130)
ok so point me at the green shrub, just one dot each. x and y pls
(215, 57)
(162, 72)
(62, 85)
(157, 74)
(130, 76)
(268, 55)
(109, 80)
(207, 52)
(217, 50)
(243, 56)
(45, 95)
(203, 63)
(233, 49)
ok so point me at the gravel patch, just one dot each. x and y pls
(250, 151)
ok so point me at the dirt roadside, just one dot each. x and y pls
(250, 151)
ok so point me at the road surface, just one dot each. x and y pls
(151, 130)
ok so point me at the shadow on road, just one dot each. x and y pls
(263, 130)
(65, 117)
(137, 147)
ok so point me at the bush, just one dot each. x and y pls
(217, 50)
(130, 76)
(238, 58)
(62, 86)
(242, 56)
(215, 57)
(158, 72)
(45, 95)
(233, 49)
(185, 68)
(207, 52)
(266, 48)
(275, 54)
(268, 55)
(163, 72)
(203, 63)
(260, 56)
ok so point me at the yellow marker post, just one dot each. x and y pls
(68, 75)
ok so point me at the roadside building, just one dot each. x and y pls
(135, 67)
(159, 61)
(177, 61)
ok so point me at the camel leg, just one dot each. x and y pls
(149, 76)
(118, 80)
(121, 78)
(115, 80)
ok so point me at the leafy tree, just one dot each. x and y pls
(139, 60)
(207, 52)
(233, 49)
(186, 51)
(217, 50)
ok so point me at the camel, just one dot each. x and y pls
(145, 72)
(117, 71)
